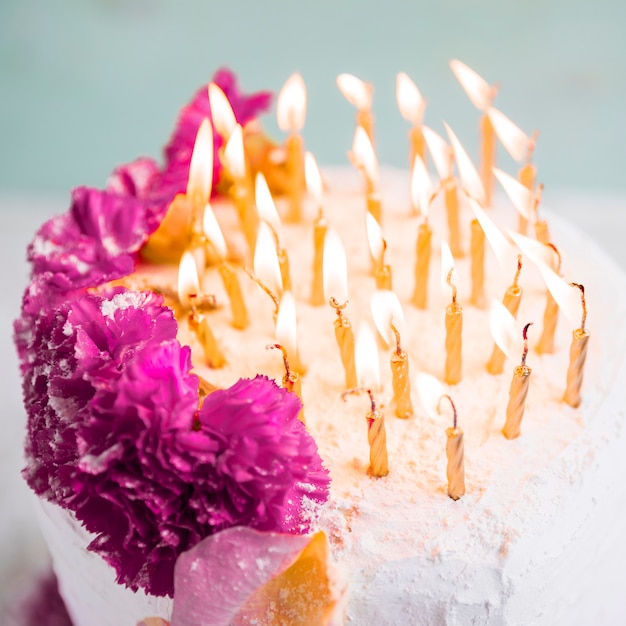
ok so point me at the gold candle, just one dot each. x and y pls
(291, 113)
(291, 380)
(319, 233)
(213, 355)
(374, 205)
(487, 156)
(527, 176)
(511, 300)
(376, 435)
(345, 341)
(384, 277)
(517, 394)
(452, 210)
(422, 265)
(454, 338)
(295, 170)
(320, 227)
(542, 232)
(400, 379)
(283, 263)
(233, 290)
(550, 316)
(364, 158)
(365, 118)
(418, 144)
(455, 453)
(241, 190)
(577, 357)
(477, 250)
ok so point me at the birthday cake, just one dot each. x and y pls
(178, 483)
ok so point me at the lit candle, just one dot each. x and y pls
(240, 191)
(364, 158)
(291, 113)
(378, 247)
(182, 224)
(336, 293)
(268, 213)
(577, 356)
(320, 226)
(421, 197)
(528, 172)
(443, 158)
(368, 376)
(455, 453)
(190, 298)
(454, 322)
(412, 107)
(481, 94)
(550, 314)
(291, 380)
(520, 196)
(542, 232)
(266, 267)
(477, 256)
(213, 233)
(286, 329)
(517, 394)
(222, 112)
(359, 94)
(511, 301)
(389, 320)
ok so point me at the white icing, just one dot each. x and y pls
(540, 512)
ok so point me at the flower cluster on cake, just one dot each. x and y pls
(160, 444)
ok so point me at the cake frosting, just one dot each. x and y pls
(540, 512)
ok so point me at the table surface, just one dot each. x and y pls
(603, 217)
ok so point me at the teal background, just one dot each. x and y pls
(86, 84)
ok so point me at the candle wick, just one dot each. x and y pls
(265, 288)
(358, 391)
(558, 257)
(271, 346)
(518, 271)
(452, 285)
(584, 303)
(525, 337)
(396, 332)
(454, 414)
(338, 307)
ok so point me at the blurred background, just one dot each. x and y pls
(88, 84)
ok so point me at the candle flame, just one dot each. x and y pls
(365, 156)
(447, 265)
(266, 265)
(512, 137)
(313, 178)
(213, 232)
(355, 91)
(521, 197)
(439, 151)
(470, 180)
(421, 186)
(234, 154)
(375, 238)
(265, 203)
(387, 310)
(221, 112)
(502, 326)
(537, 252)
(291, 104)
(429, 391)
(567, 298)
(410, 100)
(188, 280)
(200, 181)
(335, 268)
(504, 250)
(474, 85)
(286, 324)
(366, 358)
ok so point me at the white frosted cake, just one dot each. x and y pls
(535, 539)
